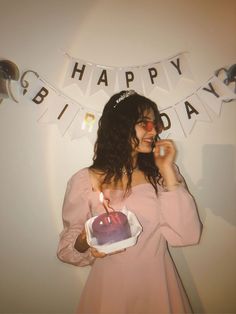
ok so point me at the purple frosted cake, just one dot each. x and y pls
(112, 227)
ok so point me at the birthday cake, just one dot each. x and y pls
(111, 227)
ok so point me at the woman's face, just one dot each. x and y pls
(145, 132)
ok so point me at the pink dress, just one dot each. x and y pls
(142, 279)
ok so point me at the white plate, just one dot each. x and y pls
(135, 228)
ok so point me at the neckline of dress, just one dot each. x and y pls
(114, 190)
(120, 190)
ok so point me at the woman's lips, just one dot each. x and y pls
(148, 140)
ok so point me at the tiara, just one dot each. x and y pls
(124, 95)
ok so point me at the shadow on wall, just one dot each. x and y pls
(216, 191)
(217, 188)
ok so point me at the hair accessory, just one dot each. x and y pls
(124, 95)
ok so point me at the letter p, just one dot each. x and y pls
(129, 77)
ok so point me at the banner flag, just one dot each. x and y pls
(172, 126)
(153, 75)
(41, 94)
(78, 72)
(85, 124)
(189, 111)
(213, 93)
(129, 78)
(177, 68)
(60, 112)
(103, 79)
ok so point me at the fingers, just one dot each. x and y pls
(120, 251)
(96, 253)
(99, 254)
(167, 143)
(164, 147)
(164, 154)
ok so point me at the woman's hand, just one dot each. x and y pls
(82, 245)
(96, 253)
(164, 155)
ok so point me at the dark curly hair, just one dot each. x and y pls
(116, 133)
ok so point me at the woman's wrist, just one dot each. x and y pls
(170, 180)
(169, 176)
(171, 187)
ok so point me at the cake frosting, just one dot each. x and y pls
(112, 227)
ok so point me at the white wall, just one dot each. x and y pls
(35, 161)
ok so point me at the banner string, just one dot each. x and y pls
(128, 66)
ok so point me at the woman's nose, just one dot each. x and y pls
(150, 126)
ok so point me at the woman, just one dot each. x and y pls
(131, 169)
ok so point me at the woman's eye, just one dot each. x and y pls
(147, 125)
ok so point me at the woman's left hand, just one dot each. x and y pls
(164, 153)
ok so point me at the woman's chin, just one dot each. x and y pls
(145, 150)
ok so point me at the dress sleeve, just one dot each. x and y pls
(179, 220)
(75, 212)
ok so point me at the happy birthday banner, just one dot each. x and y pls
(79, 120)
(90, 77)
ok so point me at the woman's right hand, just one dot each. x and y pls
(82, 245)
(96, 253)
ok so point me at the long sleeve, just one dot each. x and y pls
(75, 212)
(179, 220)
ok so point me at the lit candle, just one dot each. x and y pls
(105, 202)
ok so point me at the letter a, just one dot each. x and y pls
(103, 78)
(190, 109)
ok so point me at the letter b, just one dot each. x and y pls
(39, 97)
